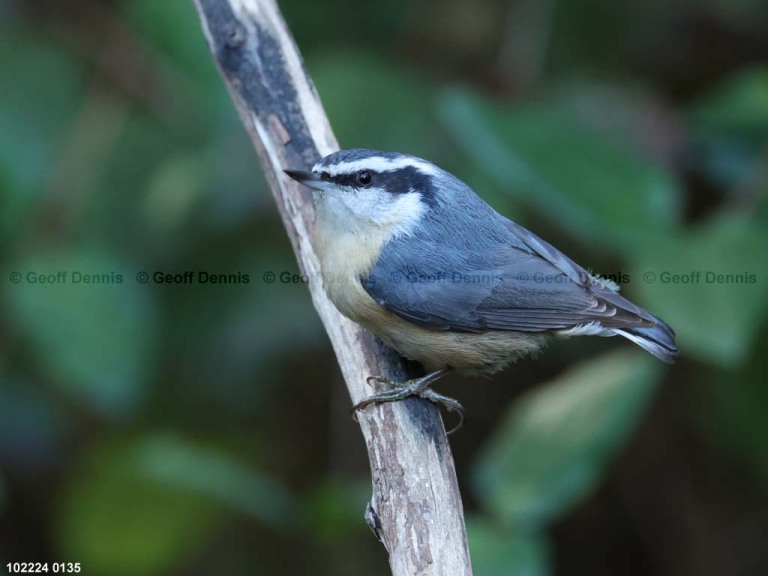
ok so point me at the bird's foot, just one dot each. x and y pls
(417, 387)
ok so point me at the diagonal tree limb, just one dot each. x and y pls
(416, 508)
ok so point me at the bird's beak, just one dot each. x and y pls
(309, 179)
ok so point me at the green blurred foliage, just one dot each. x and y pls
(403, 103)
(730, 126)
(713, 287)
(118, 522)
(154, 428)
(176, 464)
(33, 429)
(556, 442)
(740, 423)
(567, 171)
(34, 123)
(333, 509)
(96, 344)
(497, 551)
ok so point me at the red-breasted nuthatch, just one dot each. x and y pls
(420, 260)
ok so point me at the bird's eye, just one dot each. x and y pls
(364, 178)
(325, 177)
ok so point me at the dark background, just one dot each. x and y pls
(155, 428)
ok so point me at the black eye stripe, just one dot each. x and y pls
(344, 179)
(352, 179)
(395, 182)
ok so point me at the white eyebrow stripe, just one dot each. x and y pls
(377, 164)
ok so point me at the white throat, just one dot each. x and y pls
(352, 227)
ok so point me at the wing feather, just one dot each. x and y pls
(522, 284)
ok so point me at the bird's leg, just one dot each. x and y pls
(400, 390)
(417, 387)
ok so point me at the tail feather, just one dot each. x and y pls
(659, 339)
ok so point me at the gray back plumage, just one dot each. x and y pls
(467, 268)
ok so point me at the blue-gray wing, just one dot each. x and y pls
(508, 279)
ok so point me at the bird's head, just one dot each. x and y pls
(359, 190)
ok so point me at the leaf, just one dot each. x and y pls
(400, 101)
(173, 28)
(38, 118)
(498, 552)
(738, 106)
(119, 209)
(174, 191)
(93, 340)
(711, 285)
(183, 466)
(567, 171)
(226, 335)
(554, 444)
(145, 505)
(115, 521)
(729, 127)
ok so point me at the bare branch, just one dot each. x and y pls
(416, 509)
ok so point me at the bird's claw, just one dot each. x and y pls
(417, 387)
(380, 379)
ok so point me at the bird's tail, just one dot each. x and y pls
(659, 339)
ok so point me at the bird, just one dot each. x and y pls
(415, 256)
